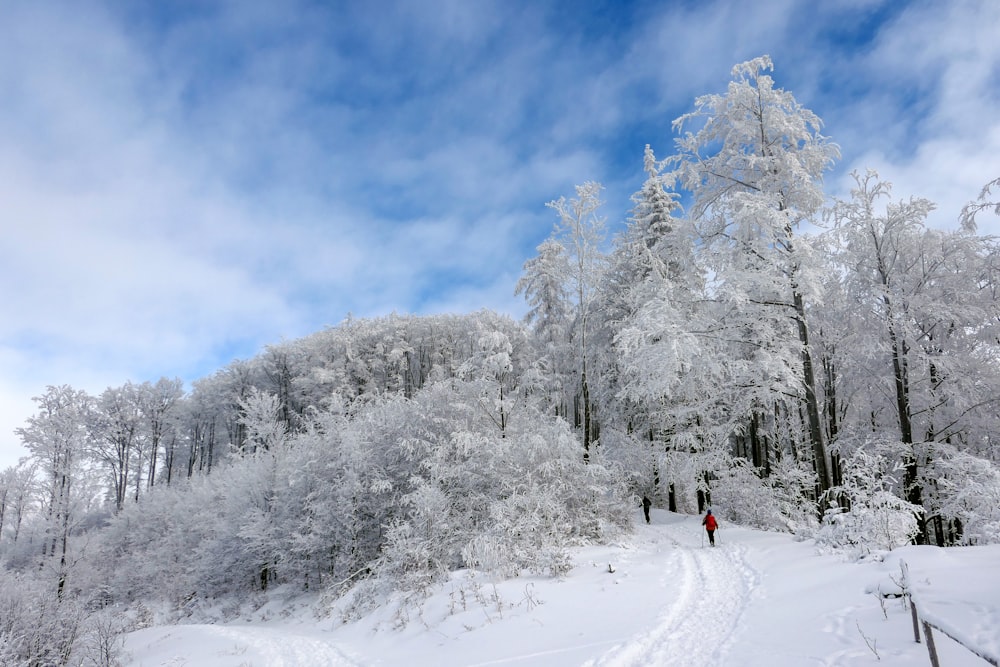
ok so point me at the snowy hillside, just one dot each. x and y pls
(661, 598)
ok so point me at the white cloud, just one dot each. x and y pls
(184, 185)
(937, 134)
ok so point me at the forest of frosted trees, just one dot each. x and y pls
(825, 367)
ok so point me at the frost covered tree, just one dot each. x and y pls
(491, 368)
(157, 404)
(544, 284)
(478, 497)
(985, 202)
(118, 439)
(36, 628)
(16, 498)
(649, 302)
(57, 438)
(926, 330)
(753, 162)
(472, 469)
(581, 230)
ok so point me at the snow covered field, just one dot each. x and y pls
(660, 598)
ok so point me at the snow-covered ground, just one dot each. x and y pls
(662, 597)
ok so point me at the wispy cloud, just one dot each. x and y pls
(932, 127)
(182, 183)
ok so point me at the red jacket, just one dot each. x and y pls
(709, 522)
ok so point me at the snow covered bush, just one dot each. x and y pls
(875, 517)
(103, 641)
(498, 495)
(40, 628)
(36, 626)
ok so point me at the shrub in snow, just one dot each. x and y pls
(36, 626)
(875, 518)
(175, 544)
(496, 498)
(103, 641)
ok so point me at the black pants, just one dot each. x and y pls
(711, 537)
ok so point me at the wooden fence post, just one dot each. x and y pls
(931, 651)
(928, 632)
(904, 570)
(913, 613)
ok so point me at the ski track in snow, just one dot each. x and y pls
(278, 648)
(695, 629)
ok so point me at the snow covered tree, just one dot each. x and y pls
(478, 497)
(877, 518)
(928, 314)
(37, 628)
(982, 203)
(118, 440)
(16, 498)
(57, 438)
(157, 403)
(266, 428)
(581, 231)
(966, 496)
(649, 303)
(754, 166)
(544, 284)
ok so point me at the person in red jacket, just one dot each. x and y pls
(710, 525)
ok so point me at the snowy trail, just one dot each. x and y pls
(714, 587)
(658, 597)
(281, 649)
(236, 645)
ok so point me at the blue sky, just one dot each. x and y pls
(183, 183)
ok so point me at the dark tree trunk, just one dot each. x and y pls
(586, 415)
(911, 468)
(832, 418)
(811, 400)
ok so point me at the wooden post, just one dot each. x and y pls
(913, 613)
(904, 583)
(928, 633)
(931, 651)
(992, 659)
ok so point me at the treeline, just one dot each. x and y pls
(823, 367)
(376, 456)
(308, 461)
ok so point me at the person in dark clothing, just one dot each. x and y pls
(646, 502)
(710, 525)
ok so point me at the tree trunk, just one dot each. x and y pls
(586, 415)
(911, 470)
(756, 455)
(811, 401)
(901, 382)
(169, 452)
(832, 419)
